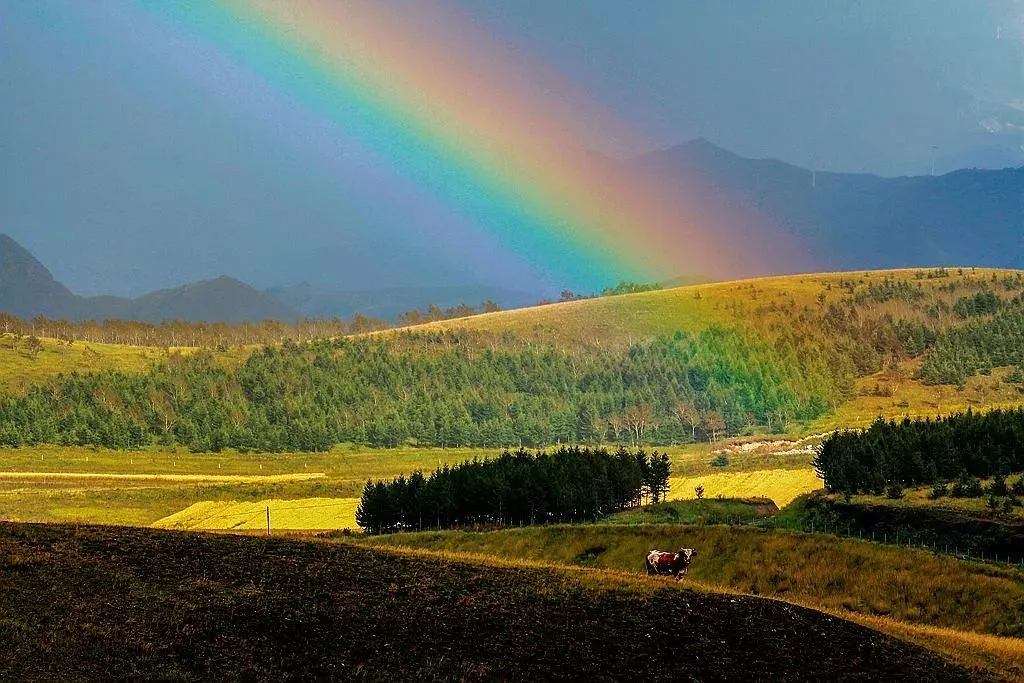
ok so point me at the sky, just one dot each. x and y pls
(136, 154)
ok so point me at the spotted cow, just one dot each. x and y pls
(670, 564)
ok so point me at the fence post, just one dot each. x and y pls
(268, 520)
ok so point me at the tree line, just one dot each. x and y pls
(439, 389)
(915, 452)
(516, 488)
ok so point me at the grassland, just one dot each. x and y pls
(919, 497)
(630, 317)
(293, 515)
(712, 511)
(847, 575)
(86, 485)
(93, 603)
(83, 485)
(779, 485)
(20, 368)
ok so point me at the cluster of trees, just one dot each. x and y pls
(439, 389)
(893, 454)
(435, 313)
(977, 346)
(983, 303)
(571, 484)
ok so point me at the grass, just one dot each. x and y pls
(911, 398)
(83, 485)
(94, 603)
(918, 497)
(20, 369)
(779, 485)
(302, 514)
(628, 318)
(846, 575)
(711, 511)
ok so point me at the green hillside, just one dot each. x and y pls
(777, 355)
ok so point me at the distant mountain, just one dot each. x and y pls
(388, 303)
(854, 221)
(27, 289)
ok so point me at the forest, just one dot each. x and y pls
(571, 484)
(977, 346)
(915, 452)
(440, 389)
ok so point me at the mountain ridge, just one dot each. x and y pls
(28, 289)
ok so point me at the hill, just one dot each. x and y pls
(774, 355)
(28, 289)
(848, 221)
(223, 299)
(93, 603)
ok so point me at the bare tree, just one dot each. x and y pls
(638, 418)
(714, 425)
(688, 415)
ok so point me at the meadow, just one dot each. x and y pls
(846, 575)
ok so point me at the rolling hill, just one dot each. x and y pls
(799, 354)
(93, 603)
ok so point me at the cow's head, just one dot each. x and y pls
(687, 553)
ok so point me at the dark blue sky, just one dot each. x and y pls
(124, 176)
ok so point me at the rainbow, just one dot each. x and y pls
(461, 116)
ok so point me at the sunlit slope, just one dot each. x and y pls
(302, 514)
(747, 303)
(780, 485)
(22, 366)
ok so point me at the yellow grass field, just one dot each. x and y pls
(293, 515)
(780, 485)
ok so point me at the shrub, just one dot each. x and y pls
(894, 491)
(720, 461)
(998, 486)
(1018, 486)
(967, 486)
(993, 503)
(939, 491)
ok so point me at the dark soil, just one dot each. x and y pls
(103, 603)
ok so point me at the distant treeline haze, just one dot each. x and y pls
(175, 333)
(572, 484)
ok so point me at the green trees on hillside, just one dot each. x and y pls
(439, 389)
(517, 488)
(977, 346)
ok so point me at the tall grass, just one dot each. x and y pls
(845, 575)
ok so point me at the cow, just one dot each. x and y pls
(670, 564)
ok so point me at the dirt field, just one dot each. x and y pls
(97, 603)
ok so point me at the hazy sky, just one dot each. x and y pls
(125, 173)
